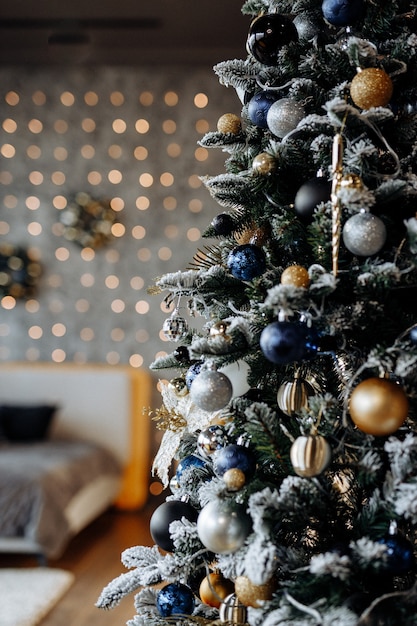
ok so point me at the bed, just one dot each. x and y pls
(74, 440)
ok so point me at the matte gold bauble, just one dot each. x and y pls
(295, 275)
(310, 455)
(378, 406)
(229, 123)
(214, 588)
(234, 478)
(371, 87)
(263, 164)
(253, 595)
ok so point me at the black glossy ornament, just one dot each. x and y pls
(268, 34)
(182, 354)
(168, 512)
(311, 194)
(223, 224)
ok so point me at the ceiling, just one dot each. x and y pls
(122, 32)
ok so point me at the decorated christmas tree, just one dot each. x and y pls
(289, 455)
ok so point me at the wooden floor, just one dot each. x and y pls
(94, 557)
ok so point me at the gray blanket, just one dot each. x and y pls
(38, 480)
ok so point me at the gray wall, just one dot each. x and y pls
(72, 315)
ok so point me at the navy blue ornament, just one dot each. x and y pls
(285, 342)
(259, 106)
(175, 599)
(192, 372)
(342, 12)
(247, 261)
(268, 34)
(168, 512)
(188, 462)
(234, 456)
(413, 335)
(399, 554)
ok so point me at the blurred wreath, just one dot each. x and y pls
(87, 221)
(19, 271)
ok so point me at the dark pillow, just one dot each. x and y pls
(25, 422)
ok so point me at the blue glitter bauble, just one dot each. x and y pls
(192, 372)
(189, 461)
(342, 12)
(234, 456)
(259, 106)
(268, 34)
(286, 342)
(399, 556)
(175, 599)
(247, 261)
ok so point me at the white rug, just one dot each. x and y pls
(27, 595)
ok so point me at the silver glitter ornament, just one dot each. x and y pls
(364, 234)
(223, 528)
(211, 390)
(283, 116)
(175, 327)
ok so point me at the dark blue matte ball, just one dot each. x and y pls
(283, 342)
(399, 555)
(189, 461)
(175, 599)
(247, 261)
(342, 12)
(413, 335)
(259, 106)
(192, 372)
(234, 456)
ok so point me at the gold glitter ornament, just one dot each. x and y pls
(252, 234)
(351, 181)
(378, 406)
(214, 588)
(295, 275)
(220, 328)
(263, 164)
(229, 123)
(178, 386)
(371, 87)
(253, 595)
(234, 479)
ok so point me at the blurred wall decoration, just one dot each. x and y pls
(126, 135)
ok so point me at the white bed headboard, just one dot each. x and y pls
(100, 403)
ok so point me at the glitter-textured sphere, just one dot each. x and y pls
(223, 527)
(364, 234)
(246, 261)
(295, 275)
(253, 595)
(211, 390)
(175, 599)
(371, 87)
(378, 406)
(283, 116)
(229, 123)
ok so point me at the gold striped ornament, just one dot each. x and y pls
(293, 395)
(232, 611)
(310, 455)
